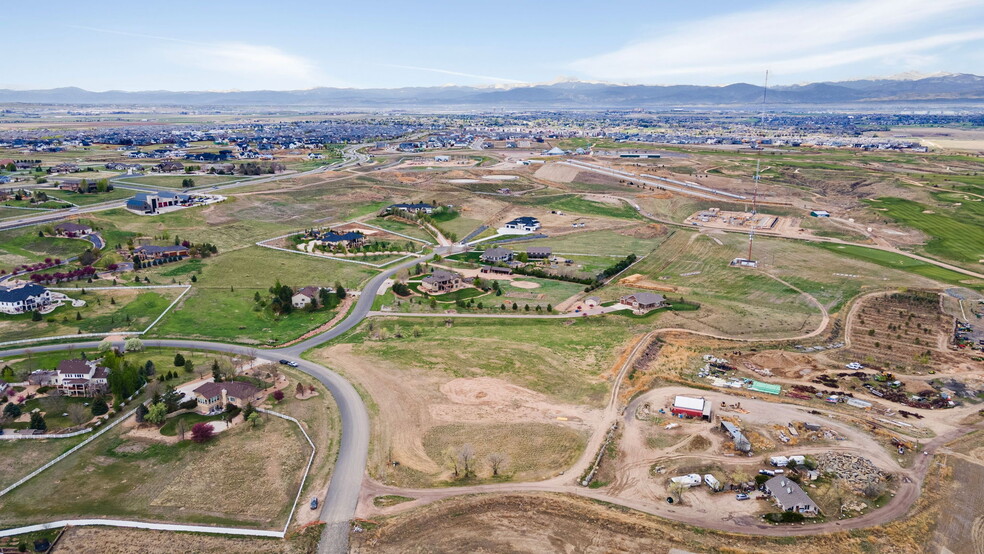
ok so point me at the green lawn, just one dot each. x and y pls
(170, 428)
(903, 263)
(92, 198)
(595, 242)
(133, 310)
(174, 181)
(957, 231)
(24, 246)
(222, 306)
(577, 205)
(402, 228)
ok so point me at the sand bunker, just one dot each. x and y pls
(501, 177)
(525, 284)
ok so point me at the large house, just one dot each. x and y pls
(150, 203)
(213, 397)
(496, 255)
(169, 167)
(348, 239)
(23, 298)
(789, 496)
(441, 281)
(412, 208)
(643, 301)
(151, 252)
(73, 230)
(526, 224)
(81, 378)
(304, 296)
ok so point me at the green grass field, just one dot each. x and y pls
(222, 306)
(558, 358)
(401, 227)
(957, 231)
(92, 198)
(134, 310)
(577, 205)
(174, 181)
(24, 246)
(595, 242)
(903, 263)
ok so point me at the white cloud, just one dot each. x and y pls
(789, 38)
(455, 73)
(253, 65)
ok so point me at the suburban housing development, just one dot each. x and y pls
(331, 279)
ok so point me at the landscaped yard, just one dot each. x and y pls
(105, 311)
(24, 246)
(222, 306)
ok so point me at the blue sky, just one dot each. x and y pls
(284, 44)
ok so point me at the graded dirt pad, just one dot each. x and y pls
(421, 412)
(783, 364)
(557, 172)
(961, 528)
(567, 524)
(525, 284)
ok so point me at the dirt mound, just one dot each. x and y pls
(488, 390)
(784, 364)
(557, 173)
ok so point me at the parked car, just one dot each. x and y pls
(288, 362)
(741, 496)
(314, 503)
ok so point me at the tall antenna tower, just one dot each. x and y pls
(748, 261)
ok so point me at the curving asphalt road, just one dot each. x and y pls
(346, 480)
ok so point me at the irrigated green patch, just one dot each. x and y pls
(578, 205)
(222, 303)
(105, 311)
(24, 246)
(903, 263)
(956, 231)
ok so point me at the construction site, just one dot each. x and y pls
(715, 218)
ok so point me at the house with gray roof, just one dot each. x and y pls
(643, 301)
(538, 252)
(496, 254)
(441, 281)
(789, 496)
(23, 298)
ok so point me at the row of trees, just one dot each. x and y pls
(463, 461)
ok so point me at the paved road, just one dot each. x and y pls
(343, 492)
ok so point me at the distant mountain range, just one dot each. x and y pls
(955, 89)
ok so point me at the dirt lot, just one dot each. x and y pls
(564, 524)
(424, 410)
